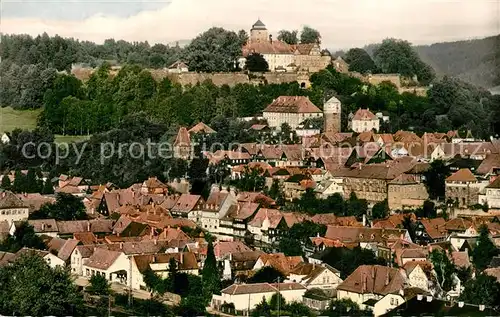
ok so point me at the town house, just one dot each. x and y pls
(405, 192)
(312, 275)
(292, 110)
(462, 187)
(364, 120)
(370, 282)
(216, 207)
(12, 208)
(246, 297)
(159, 263)
(369, 182)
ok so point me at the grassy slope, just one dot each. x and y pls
(11, 119)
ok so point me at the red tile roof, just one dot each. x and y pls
(462, 175)
(374, 279)
(201, 128)
(364, 114)
(292, 104)
(183, 138)
(266, 47)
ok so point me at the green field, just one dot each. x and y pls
(11, 119)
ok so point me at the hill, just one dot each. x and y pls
(474, 61)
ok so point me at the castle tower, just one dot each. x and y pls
(258, 32)
(332, 110)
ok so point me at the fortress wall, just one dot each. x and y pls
(219, 79)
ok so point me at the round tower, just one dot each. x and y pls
(332, 110)
(258, 32)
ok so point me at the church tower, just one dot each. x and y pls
(332, 110)
(258, 33)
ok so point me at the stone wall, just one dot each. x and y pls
(219, 79)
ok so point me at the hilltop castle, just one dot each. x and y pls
(283, 57)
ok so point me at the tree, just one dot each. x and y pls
(380, 210)
(483, 290)
(20, 184)
(484, 251)
(309, 35)
(356, 207)
(6, 184)
(289, 37)
(98, 285)
(359, 61)
(153, 282)
(398, 56)
(262, 309)
(243, 37)
(215, 50)
(30, 287)
(210, 273)
(344, 307)
(347, 260)
(24, 236)
(32, 183)
(66, 207)
(267, 274)
(435, 178)
(428, 210)
(256, 63)
(47, 188)
(444, 269)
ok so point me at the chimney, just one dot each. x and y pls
(154, 259)
(181, 258)
(43, 226)
(121, 245)
(88, 226)
(271, 38)
(387, 278)
(373, 272)
(364, 220)
(155, 241)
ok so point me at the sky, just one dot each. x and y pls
(342, 23)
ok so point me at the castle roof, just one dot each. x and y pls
(259, 25)
(267, 47)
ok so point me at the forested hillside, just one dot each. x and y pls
(474, 61)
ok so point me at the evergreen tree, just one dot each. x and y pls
(98, 285)
(32, 185)
(47, 188)
(380, 210)
(210, 273)
(484, 251)
(256, 63)
(19, 185)
(6, 184)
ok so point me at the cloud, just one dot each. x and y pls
(342, 23)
